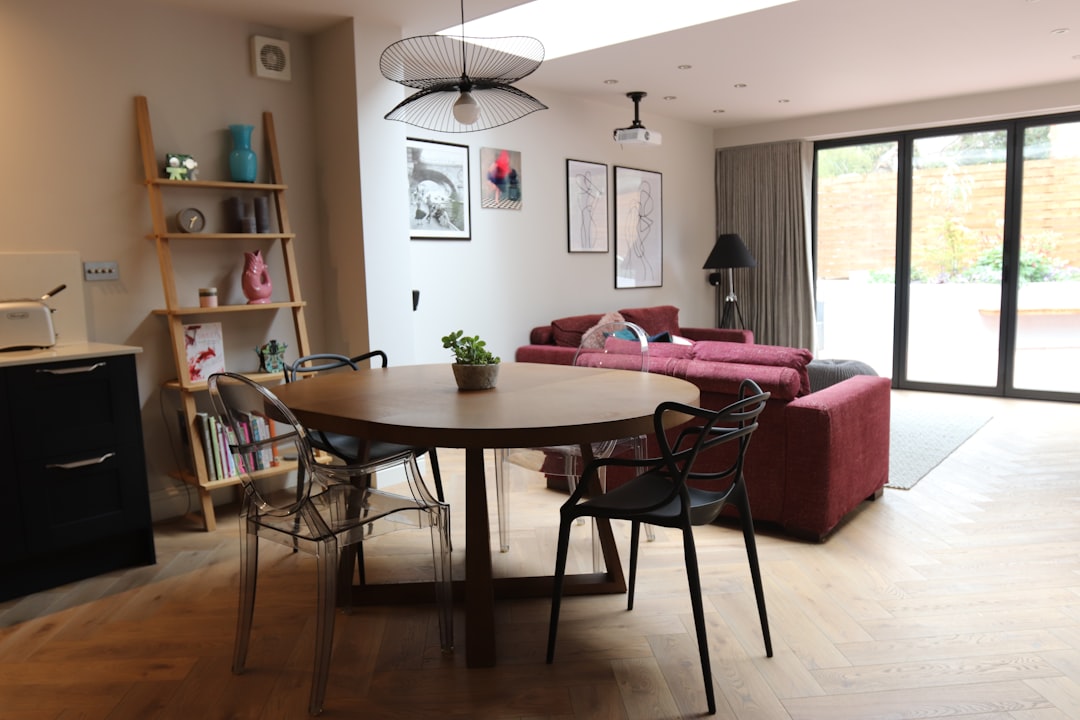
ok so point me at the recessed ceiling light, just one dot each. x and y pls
(785, 100)
(611, 82)
(718, 111)
(685, 67)
(1059, 31)
(670, 97)
(740, 85)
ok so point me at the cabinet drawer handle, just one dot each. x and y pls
(72, 370)
(80, 463)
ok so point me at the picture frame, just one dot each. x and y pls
(500, 178)
(639, 228)
(438, 175)
(586, 207)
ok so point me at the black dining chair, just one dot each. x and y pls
(350, 449)
(669, 491)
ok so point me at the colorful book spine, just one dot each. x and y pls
(202, 422)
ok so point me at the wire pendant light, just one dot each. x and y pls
(464, 83)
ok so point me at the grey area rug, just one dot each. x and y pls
(920, 438)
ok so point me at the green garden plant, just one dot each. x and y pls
(469, 350)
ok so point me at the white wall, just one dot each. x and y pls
(515, 272)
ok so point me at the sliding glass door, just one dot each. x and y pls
(856, 253)
(957, 222)
(1047, 348)
(950, 260)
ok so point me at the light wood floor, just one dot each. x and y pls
(959, 598)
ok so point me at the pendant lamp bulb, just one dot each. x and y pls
(466, 111)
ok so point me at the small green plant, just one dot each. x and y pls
(469, 350)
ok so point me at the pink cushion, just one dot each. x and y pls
(769, 355)
(593, 338)
(654, 320)
(567, 331)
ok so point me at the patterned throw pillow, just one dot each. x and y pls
(593, 338)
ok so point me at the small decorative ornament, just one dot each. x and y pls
(271, 357)
(180, 167)
(256, 279)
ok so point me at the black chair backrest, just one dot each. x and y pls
(705, 430)
(325, 362)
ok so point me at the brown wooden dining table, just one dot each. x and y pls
(532, 405)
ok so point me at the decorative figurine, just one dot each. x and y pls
(271, 357)
(180, 167)
(256, 279)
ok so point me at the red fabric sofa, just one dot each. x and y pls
(816, 455)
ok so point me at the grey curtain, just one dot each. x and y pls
(763, 194)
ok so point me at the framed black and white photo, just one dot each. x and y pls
(438, 190)
(639, 228)
(586, 206)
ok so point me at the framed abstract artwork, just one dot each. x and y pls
(438, 190)
(639, 228)
(586, 206)
(500, 178)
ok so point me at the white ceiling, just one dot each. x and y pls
(805, 58)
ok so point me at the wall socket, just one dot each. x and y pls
(94, 271)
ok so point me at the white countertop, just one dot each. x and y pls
(71, 351)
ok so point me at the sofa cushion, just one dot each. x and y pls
(632, 347)
(567, 331)
(654, 320)
(768, 355)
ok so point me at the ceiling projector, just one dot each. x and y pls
(636, 134)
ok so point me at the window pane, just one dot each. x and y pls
(1048, 322)
(957, 226)
(856, 253)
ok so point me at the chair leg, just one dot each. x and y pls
(327, 561)
(436, 476)
(635, 535)
(694, 580)
(444, 593)
(249, 570)
(557, 585)
(743, 503)
(502, 498)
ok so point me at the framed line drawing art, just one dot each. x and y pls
(500, 178)
(438, 190)
(586, 206)
(639, 228)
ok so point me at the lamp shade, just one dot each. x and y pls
(729, 252)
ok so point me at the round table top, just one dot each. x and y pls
(533, 404)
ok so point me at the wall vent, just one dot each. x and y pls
(270, 58)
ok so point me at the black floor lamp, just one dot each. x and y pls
(729, 252)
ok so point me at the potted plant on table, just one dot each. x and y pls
(475, 367)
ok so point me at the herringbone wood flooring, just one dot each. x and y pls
(959, 598)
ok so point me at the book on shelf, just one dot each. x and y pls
(204, 348)
(202, 424)
(215, 446)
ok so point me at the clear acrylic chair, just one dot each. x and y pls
(324, 516)
(669, 492)
(618, 345)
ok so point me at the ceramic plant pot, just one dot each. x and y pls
(475, 377)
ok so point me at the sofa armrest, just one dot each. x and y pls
(550, 354)
(542, 335)
(837, 453)
(724, 334)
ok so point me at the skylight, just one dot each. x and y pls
(567, 27)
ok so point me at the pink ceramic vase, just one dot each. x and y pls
(256, 279)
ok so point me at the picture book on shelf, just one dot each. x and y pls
(204, 346)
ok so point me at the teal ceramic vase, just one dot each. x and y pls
(243, 164)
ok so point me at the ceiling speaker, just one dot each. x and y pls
(270, 58)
